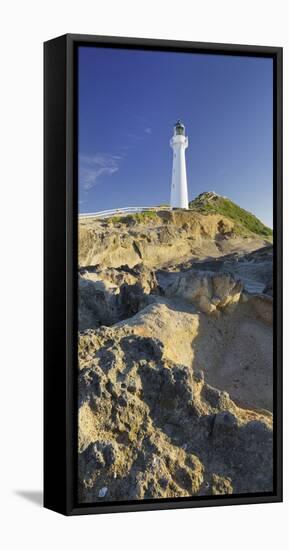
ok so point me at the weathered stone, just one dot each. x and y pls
(160, 439)
(161, 238)
(173, 359)
(263, 305)
(208, 291)
(221, 485)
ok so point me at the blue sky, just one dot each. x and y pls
(129, 101)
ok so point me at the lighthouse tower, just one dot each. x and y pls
(179, 188)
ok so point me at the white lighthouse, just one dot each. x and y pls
(179, 188)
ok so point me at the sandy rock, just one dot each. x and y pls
(263, 306)
(154, 441)
(175, 358)
(221, 485)
(165, 237)
(208, 291)
(109, 295)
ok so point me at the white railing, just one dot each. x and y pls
(122, 211)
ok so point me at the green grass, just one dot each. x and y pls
(245, 222)
(138, 217)
(114, 219)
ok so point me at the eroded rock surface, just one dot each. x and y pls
(152, 428)
(165, 237)
(210, 292)
(175, 359)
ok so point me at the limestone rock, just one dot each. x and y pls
(164, 434)
(221, 485)
(208, 291)
(175, 358)
(263, 305)
(161, 237)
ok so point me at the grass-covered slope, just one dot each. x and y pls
(245, 222)
(139, 217)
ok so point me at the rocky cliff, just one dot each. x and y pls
(157, 238)
(175, 357)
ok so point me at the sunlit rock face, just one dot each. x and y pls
(175, 358)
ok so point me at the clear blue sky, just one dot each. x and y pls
(129, 101)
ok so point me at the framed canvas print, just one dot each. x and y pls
(163, 275)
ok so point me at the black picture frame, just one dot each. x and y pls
(60, 272)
